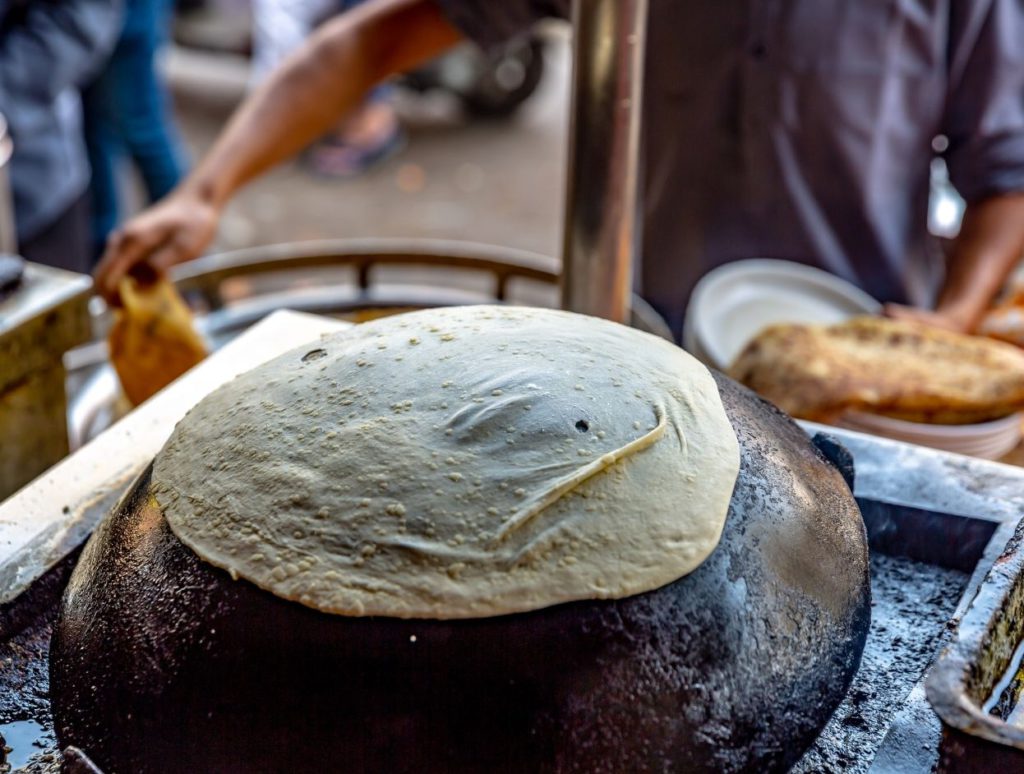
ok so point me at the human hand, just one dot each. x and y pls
(173, 231)
(936, 319)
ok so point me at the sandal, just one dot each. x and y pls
(337, 159)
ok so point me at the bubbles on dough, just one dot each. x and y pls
(494, 466)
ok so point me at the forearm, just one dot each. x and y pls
(318, 85)
(989, 246)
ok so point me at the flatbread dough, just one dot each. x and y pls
(457, 463)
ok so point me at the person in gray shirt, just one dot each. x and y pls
(48, 49)
(794, 129)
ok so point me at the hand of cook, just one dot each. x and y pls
(173, 231)
(935, 319)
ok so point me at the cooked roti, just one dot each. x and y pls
(893, 368)
(457, 463)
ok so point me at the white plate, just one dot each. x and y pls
(733, 303)
(988, 440)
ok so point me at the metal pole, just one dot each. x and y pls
(8, 239)
(601, 233)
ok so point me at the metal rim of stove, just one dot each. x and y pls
(224, 291)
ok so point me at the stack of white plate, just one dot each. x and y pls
(735, 302)
(988, 440)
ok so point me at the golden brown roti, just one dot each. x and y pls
(893, 368)
(152, 341)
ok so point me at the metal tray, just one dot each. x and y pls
(976, 685)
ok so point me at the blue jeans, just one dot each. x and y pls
(127, 115)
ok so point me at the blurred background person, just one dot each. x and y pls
(128, 116)
(48, 50)
(806, 137)
(370, 133)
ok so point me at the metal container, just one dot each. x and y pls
(8, 237)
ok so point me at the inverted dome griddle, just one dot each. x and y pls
(732, 667)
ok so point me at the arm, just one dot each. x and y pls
(984, 124)
(306, 97)
(989, 246)
(987, 249)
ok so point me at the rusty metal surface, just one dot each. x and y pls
(39, 321)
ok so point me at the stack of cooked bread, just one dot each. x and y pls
(892, 368)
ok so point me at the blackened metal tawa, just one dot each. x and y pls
(160, 662)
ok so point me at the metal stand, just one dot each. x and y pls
(601, 233)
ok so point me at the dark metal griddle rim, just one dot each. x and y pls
(981, 652)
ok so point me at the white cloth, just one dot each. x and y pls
(280, 27)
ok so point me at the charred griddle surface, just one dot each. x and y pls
(24, 695)
(911, 603)
(25, 628)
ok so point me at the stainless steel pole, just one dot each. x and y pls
(601, 233)
(8, 239)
